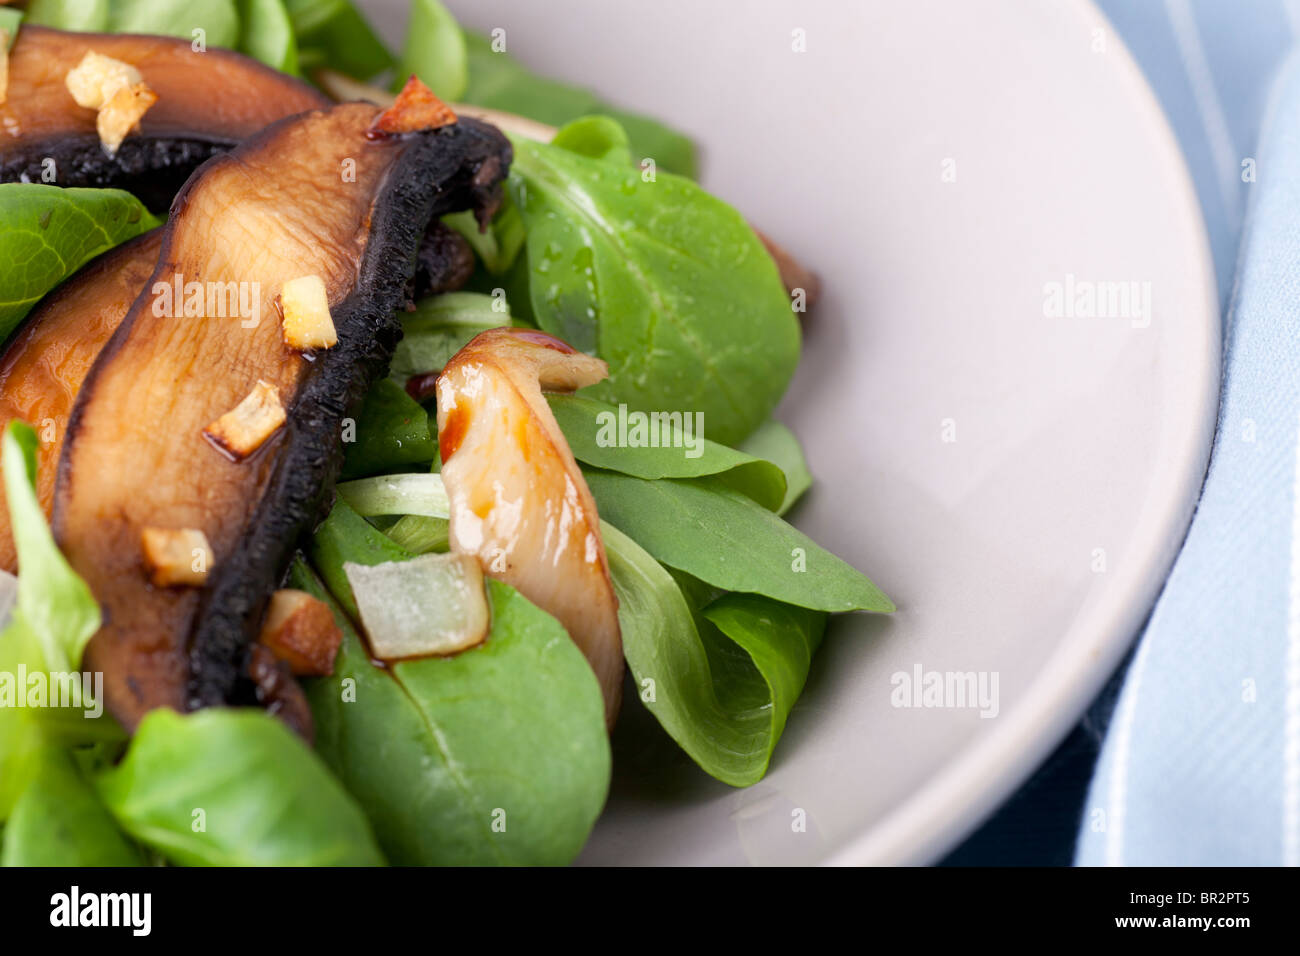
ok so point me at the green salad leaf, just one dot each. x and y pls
(346, 536)
(713, 532)
(266, 34)
(720, 680)
(498, 81)
(50, 232)
(497, 248)
(599, 434)
(54, 604)
(440, 327)
(10, 21)
(392, 431)
(59, 821)
(233, 787)
(333, 33)
(497, 755)
(53, 618)
(219, 19)
(434, 51)
(598, 137)
(666, 283)
(773, 442)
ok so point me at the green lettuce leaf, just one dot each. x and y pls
(591, 428)
(720, 680)
(666, 283)
(496, 755)
(59, 821)
(51, 232)
(714, 533)
(233, 787)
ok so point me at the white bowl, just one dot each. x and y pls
(1032, 545)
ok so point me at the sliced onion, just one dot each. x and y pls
(417, 494)
(432, 604)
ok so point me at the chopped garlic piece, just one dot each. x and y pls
(300, 630)
(97, 78)
(243, 429)
(122, 113)
(176, 556)
(307, 320)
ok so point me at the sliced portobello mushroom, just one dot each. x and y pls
(43, 366)
(206, 103)
(155, 471)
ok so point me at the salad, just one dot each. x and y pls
(379, 427)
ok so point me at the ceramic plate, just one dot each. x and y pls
(1007, 394)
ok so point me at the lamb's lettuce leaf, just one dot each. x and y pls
(54, 617)
(333, 33)
(392, 432)
(50, 232)
(440, 326)
(218, 19)
(59, 821)
(233, 787)
(496, 755)
(714, 533)
(602, 435)
(434, 51)
(721, 678)
(666, 283)
(773, 442)
(266, 33)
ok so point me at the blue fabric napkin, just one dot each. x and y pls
(1201, 762)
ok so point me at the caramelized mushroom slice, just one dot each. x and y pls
(315, 194)
(207, 102)
(42, 369)
(518, 499)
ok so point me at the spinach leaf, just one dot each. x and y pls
(495, 755)
(333, 33)
(667, 283)
(54, 604)
(713, 532)
(596, 136)
(602, 435)
(233, 787)
(434, 51)
(720, 681)
(392, 431)
(50, 232)
(53, 618)
(439, 328)
(498, 81)
(59, 821)
(266, 34)
(776, 443)
(218, 19)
